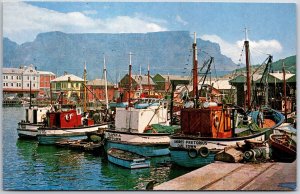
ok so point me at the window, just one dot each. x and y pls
(3, 77)
(3, 84)
(27, 85)
(33, 77)
(33, 85)
(11, 84)
(6, 84)
(12, 77)
(27, 77)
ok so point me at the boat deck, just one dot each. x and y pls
(236, 176)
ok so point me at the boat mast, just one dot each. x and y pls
(129, 81)
(148, 79)
(248, 70)
(195, 72)
(85, 92)
(141, 90)
(30, 93)
(105, 80)
(284, 91)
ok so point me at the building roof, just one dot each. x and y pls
(12, 70)
(143, 79)
(99, 82)
(220, 84)
(176, 77)
(45, 73)
(279, 75)
(68, 77)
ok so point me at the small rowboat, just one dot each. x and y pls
(127, 159)
(284, 148)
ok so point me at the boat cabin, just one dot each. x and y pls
(67, 119)
(35, 114)
(214, 121)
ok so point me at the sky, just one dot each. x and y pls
(271, 27)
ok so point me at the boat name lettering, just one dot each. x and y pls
(195, 142)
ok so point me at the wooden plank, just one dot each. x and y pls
(241, 176)
(199, 178)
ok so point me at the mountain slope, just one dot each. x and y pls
(166, 52)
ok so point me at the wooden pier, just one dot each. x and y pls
(237, 176)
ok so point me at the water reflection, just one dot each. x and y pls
(29, 166)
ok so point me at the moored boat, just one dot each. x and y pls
(133, 132)
(34, 118)
(127, 159)
(284, 148)
(210, 127)
(66, 125)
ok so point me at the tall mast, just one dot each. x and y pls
(284, 91)
(148, 79)
(129, 81)
(105, 80)
(85, 92)
(195, 72)
(30, 93)
(248, 70)
(140, 80)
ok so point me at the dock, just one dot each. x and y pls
(236, 176)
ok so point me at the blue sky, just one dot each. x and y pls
(272, 26)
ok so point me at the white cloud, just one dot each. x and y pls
(22, 22)
(180, 20)
(258, 49)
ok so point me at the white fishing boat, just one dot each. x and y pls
(133, 132)
(34, 118)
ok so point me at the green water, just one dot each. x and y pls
(29, 166)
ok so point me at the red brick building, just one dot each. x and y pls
(97, 87)
(45, 78)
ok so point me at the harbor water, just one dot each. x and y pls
(29, 166)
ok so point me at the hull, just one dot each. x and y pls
(52, 135)
(148, 145)
(28, 130)
(284, 147)
(181, 157)
(134, 163)
(188, 152)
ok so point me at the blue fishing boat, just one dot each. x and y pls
(127, 159)
(208, 129)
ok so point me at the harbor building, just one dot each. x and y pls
(97, 90)
(45, 78)
(69, 85)
(19, 81)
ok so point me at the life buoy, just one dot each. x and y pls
(203, 152)
(192, 153)
(68, 117)
(216, 121)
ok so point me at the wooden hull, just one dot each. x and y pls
(133, 162)
(148, 145)
(53, 135)
(283, 147)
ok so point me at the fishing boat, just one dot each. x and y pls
(66, 125)
(284, 148)
(208, 129)
(127, 159)
(133, 127)
(69, 124)
(34, 118)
